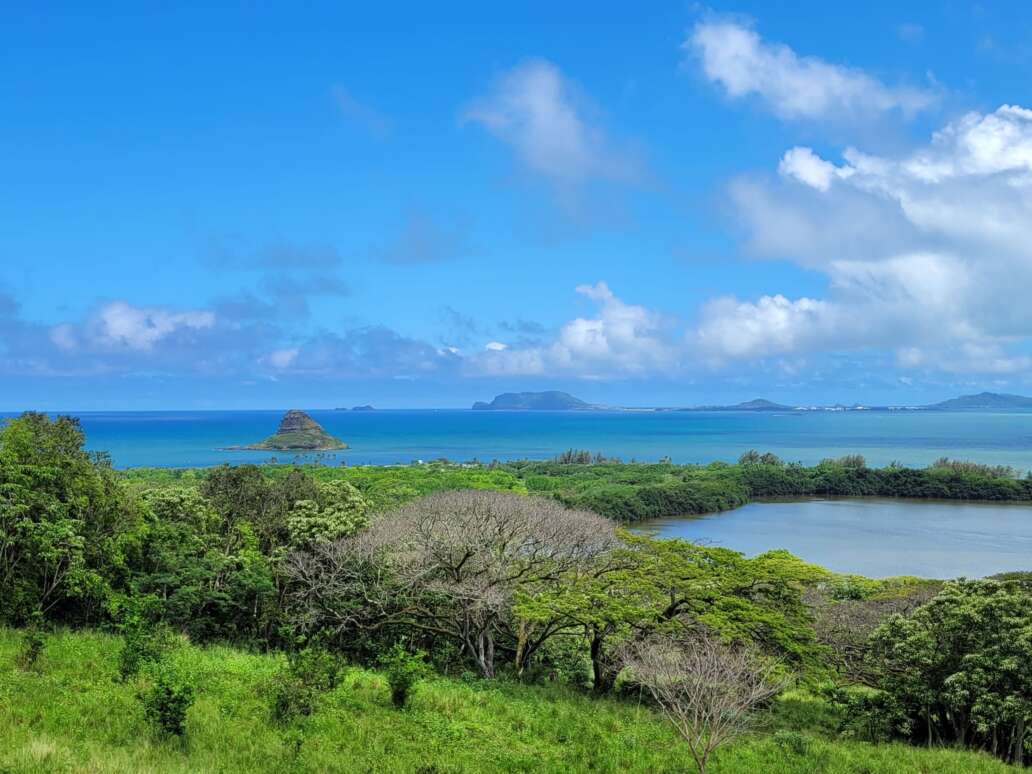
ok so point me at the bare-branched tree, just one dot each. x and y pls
(706, 689)
(844, 627)
(450, 564)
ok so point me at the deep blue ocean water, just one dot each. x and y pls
(199, 438)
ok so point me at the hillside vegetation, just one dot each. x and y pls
(451, 618)
(70, 714)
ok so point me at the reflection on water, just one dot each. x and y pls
(873, 537)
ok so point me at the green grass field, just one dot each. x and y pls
(70, 715)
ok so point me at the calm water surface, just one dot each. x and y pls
(196, 438)
(873, 537)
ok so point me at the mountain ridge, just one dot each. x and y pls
(548, 400)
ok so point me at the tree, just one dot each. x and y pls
(207, 572)
(338, 511)
(448, 565)
(63, 516)
(960, 667)
(844, 625)
(706, 689)
(644, 586)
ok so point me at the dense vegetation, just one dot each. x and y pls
(631, 492)
(477, 605)
(635, 492)
(70, 714)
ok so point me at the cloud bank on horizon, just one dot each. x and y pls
(914, 256)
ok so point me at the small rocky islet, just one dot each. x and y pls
(298, 432)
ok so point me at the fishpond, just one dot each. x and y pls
(872, 536)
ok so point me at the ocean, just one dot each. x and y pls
(913, 438)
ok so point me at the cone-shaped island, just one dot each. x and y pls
(299, 432)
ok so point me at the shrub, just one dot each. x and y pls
(33, 642)
(290, 697)
(294, 691)
(167, 699)
(143, 643)
(315, 666)
(793, 741)
(403, 670)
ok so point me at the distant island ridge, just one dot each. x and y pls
(554, 400)
(982, 401)
(298, 432)
(550, 400)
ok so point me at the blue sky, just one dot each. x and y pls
(421, 206)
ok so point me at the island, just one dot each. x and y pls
(983, 401)
(298, 432)
(758, 404)
(550, 400)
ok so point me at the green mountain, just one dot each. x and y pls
(984, 400)
(299, 432)
(551, 400)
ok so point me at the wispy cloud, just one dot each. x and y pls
(370, 119)
(553, 131)
(234, 251)
(910, 32)
(424, 239)
(734, 57)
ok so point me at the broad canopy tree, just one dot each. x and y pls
(449, 565)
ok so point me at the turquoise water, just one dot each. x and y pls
(873, 537)
(196, 438)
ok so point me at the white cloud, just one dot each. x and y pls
(807, 167)
(792, 86)
(63, 337)
(541, 115)
(120, 324)
(927, 254)
(772, 325)
(621, 339)
(282, 358)
(496, 346)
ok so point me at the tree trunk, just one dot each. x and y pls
(1018, 758)
(602, 677)
(522, 636)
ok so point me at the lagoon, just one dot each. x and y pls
(872, 536)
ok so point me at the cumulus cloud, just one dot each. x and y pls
(772, 325)
(621, 339)
(120, 325)
(120, 338)
(546, 121)
(926, 253)
(737, 59)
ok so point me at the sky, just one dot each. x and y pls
(241, 205)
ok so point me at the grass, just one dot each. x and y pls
(70, 715)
